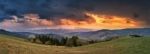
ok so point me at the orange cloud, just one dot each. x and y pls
(94, 21)
(102, 22)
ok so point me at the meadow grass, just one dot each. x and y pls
(123, 45)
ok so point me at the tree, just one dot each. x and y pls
(135, 36)
(92, 41)
(51, 41)
(63, 41)
(69, 43)
(32, 38)
(43, 38)
(55, 41)
(74, 41)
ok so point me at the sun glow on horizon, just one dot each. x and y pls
(93, 21)
(96, 21)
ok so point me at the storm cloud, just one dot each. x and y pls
(75, 9)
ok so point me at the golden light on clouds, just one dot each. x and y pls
(93, 21)
(96, 21)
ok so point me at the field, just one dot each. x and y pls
(123, 45)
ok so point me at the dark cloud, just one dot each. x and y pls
(74, 9)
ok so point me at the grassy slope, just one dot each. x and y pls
(125, 45)
(12, 45)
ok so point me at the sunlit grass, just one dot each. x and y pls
(123, 45)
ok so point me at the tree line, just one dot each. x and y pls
(73, 41)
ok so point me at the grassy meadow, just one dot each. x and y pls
(123, 45)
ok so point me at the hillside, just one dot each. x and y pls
(12, 45)
(123, 45)
(88, 35)
(100, 34)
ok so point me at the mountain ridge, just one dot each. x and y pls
(90, 35)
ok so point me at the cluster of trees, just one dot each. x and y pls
(135, 35)
(74, 41)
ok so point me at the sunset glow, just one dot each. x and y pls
(96, 21)
(93, 22)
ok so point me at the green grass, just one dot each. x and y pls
(12, 45)
(123, 45)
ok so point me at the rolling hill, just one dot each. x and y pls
(16, 34)
(88, 35)
(104, 34)
(123, 45)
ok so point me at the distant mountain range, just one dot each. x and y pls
(102, 34)
(57, 31)
(16, 34)
(94, 35)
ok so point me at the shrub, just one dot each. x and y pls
(135, 36)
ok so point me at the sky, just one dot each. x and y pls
(19, 15)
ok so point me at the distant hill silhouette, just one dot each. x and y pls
(89, 35)
(100, 34)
